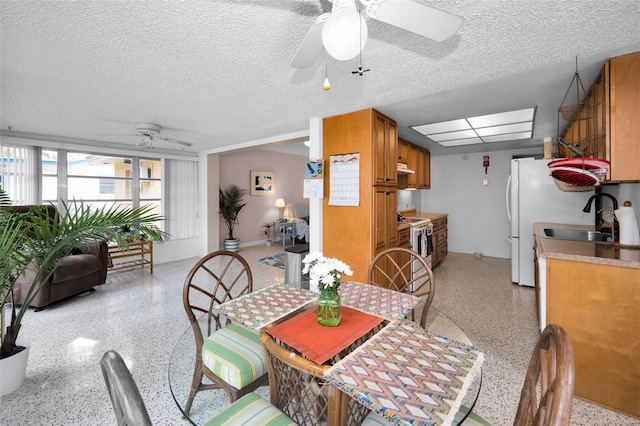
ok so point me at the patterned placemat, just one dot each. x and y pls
(378, 301)
(407, 375)
(262, 307)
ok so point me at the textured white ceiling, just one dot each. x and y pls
(216, 73)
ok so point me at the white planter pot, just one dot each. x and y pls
(232, 245)
(13, 370)
(268, 243)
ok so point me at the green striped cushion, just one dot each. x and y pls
(251, 410)
(234, 353)
(473, 419)
(373, 419)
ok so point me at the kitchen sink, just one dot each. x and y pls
(576, 235)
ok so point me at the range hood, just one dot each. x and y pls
(404, 170)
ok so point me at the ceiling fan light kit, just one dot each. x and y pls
(344, 33)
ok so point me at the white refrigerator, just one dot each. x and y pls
(532, 196)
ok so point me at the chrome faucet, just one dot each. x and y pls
(587, 209)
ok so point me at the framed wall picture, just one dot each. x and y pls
(263, 183)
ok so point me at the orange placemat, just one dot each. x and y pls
(320, 343)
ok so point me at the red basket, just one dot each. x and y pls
(573, 179)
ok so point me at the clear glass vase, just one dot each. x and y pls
(329, 312)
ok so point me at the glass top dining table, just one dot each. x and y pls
(264, 307)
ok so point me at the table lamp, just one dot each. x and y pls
(280, 206)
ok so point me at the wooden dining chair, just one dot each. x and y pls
(547, 392)
(391, 268)
(228, 354)
(298, 388)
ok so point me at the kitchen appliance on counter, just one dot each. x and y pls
(420, 239)
(532, 196)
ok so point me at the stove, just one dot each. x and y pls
(421, 238)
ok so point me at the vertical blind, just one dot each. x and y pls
(19, 173)
(181, 185)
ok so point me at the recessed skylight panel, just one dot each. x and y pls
(459, 142)
(502, 118)
(504, 126)
(453, 135)
(443, 127)
(507, 137)
(508, 128)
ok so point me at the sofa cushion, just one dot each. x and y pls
(76, 266)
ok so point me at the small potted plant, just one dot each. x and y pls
(266, 230)
(231, 202)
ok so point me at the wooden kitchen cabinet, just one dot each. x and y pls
(418, 160)
(355, 234)
(597, 305)
(424, 169)
(403, 151)
(439, 239)
(607, 124)
(404, 237)
(385, 136)
(385, 231)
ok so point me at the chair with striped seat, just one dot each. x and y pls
(392, 269)
(251, 410)
(229, 355)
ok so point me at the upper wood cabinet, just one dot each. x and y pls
(424, 169)
(403, 151)
(607, 125)
(385, 136)
(355, 234)
(624, 142)
(418, 160)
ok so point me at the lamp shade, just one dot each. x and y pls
(280, 203)
(344, 33)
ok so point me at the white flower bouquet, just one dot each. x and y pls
(325, 272)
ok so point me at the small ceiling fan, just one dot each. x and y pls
(343, 32)
(148, 132)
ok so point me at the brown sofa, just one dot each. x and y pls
(76, 273)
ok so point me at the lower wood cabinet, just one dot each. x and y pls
(597, 305)
(439, 239)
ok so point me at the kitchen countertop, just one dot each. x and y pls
(413, 213)
(584, 251)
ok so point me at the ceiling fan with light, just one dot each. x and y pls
(343, 32)
(149, 132)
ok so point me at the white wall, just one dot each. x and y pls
(477, 215)
(624, 192)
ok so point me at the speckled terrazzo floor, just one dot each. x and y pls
(141, 316)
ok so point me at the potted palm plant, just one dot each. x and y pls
(36, 241)
(231, 202)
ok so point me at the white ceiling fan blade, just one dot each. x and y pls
(183, 143)
(417, 18)
(144, 141)
(311, 46)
